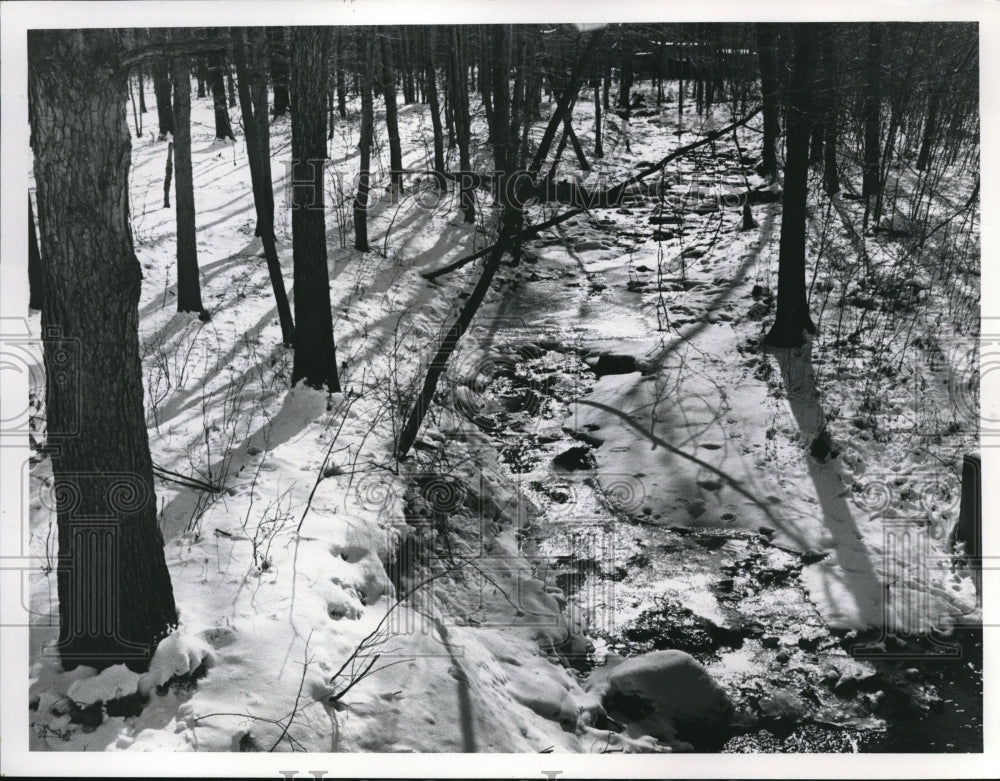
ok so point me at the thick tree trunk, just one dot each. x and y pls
(36, 281)
(366, 47)
(188, 282)
(223, 129)
(315, 355)
(277, 54)
(792, 318)
(115, 597)
(388, 81)
(231, 88)
(769, 99)
(872, 108)
(252, 86)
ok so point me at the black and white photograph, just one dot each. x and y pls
(386, 378)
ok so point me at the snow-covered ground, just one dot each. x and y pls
(288, 582)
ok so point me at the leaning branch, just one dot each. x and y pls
(611, 196)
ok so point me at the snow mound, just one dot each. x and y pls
(112, 683)
(179, 653)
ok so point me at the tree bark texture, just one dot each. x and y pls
(115, 596)
(315, 355)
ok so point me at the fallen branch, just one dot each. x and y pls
(189, 482)
(610, 196)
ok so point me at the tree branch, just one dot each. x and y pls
(608, 197)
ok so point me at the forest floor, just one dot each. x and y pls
(612, 465)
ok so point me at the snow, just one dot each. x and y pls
(280, 576)
(110, 684)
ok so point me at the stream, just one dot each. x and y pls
(731, 598)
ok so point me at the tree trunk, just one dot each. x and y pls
(391, 120)
(168, 174)
(277, 54)
(406, 66)
(581, 158)
(816, 136)
(511, 218)
(930, 132)
(460, 110)
(315, 354)
(769, 99)
(115, 598)
(598, 144)
(625, 84)
(831, 178)
(341, 93)
(792, 316)
(430, 88)
(252, 89)
(499, 75)
(36, 280)
(162, 89)
(223, 129)
(188, 282)
(872, 108)
(484, 82)
(141, 79)
(231, 88)
(202, 78)
(366, 47)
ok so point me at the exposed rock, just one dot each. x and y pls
(614, 363)
(667, 694)
(574, 458)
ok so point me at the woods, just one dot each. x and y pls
(655, 340)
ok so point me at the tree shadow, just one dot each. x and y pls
(850, 573)
(465, 714)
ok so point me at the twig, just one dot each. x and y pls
(190, 482)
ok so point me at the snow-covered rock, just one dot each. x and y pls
(114, 682)
(180, 653)
(666, 694)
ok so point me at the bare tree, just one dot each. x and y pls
(115, 597)
(366, 46)
(792, 318)
(252, 89)
(188, 282)
(315, 355)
